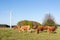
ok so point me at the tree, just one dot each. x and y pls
(49, 20)
(22, 23)
(27, 22)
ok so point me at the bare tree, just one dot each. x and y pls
(49, 20)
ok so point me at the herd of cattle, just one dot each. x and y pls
(38, 28)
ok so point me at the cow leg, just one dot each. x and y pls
(37, 31)
(49, 31)
(18, 27)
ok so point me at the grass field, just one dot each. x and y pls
(10, 34)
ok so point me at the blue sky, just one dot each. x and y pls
(34, 10)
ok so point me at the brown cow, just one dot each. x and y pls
(27, 27)
(22, 28)
(39, 28)
(51, 29)
(48, 28)
(15, 27)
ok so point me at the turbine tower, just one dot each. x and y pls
(10, 18)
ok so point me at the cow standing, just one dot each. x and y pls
(47, 28)
(22, 28)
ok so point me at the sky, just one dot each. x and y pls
(34, 10)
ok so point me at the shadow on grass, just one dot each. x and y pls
(54, 32)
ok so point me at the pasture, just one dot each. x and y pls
(10, 34)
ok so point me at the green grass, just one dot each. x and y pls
(10, 34)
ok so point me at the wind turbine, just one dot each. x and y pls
(10, 18)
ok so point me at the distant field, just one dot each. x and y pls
(10, 34)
